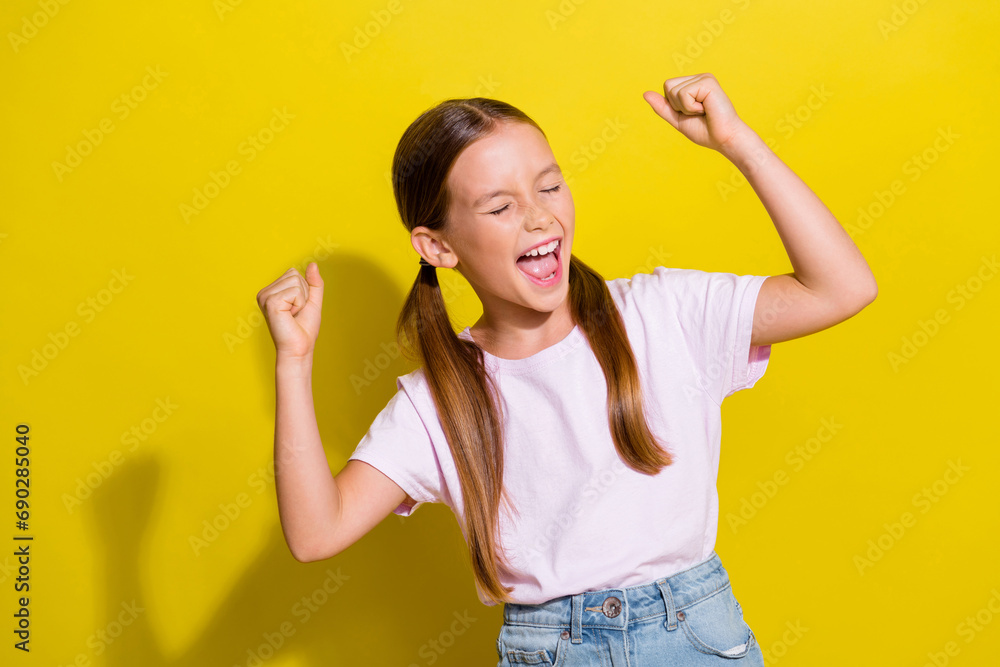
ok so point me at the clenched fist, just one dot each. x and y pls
(697, 108)
(292, 306)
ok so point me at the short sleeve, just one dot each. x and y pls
(399, 445)
(714, 314)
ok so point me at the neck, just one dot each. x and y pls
(518, 340)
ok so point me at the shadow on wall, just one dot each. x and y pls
(403, 595)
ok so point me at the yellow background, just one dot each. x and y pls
(185, 327)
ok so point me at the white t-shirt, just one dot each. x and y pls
(589, 522)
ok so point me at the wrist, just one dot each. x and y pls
(289, 364)
(745, 149)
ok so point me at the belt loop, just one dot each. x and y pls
(668, 601)
(577, 620)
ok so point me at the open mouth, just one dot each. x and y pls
(543, 266)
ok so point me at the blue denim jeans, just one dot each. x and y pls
(689, 618)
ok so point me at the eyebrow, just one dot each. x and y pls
(496, 193)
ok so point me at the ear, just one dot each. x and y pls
(432, 246)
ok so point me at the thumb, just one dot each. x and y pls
(662, 107)
(315, 283)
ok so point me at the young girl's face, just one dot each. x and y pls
(508, 196)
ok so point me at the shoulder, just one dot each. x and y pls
(661, 282)
(406, 408)
(414, 384)
(674, 284)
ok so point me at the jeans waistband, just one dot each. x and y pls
(616, 607)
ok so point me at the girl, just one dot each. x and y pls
(574, 430)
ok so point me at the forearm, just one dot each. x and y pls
(824, 258)
(308, 499)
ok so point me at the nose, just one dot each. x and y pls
(537, 217)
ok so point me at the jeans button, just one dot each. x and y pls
(612, 607)
(565, 634)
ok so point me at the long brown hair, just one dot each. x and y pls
(465, 395)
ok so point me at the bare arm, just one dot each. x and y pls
(321, 515)
(831, 280)
(309, 502)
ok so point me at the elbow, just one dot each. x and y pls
(311, 552)
(871, 293)
(863, 296)
(871, 288)
(301, 555)
(307, 556)
(849, 304)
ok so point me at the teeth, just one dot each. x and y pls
(543, 250)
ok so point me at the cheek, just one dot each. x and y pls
(567, 210)
(491, 260)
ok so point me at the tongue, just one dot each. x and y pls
(540, 266)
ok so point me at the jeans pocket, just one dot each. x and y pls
(530, 645)
(715, 625)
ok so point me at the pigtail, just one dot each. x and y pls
(595, 311)
(467, 401)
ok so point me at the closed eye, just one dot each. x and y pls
(501, 210)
